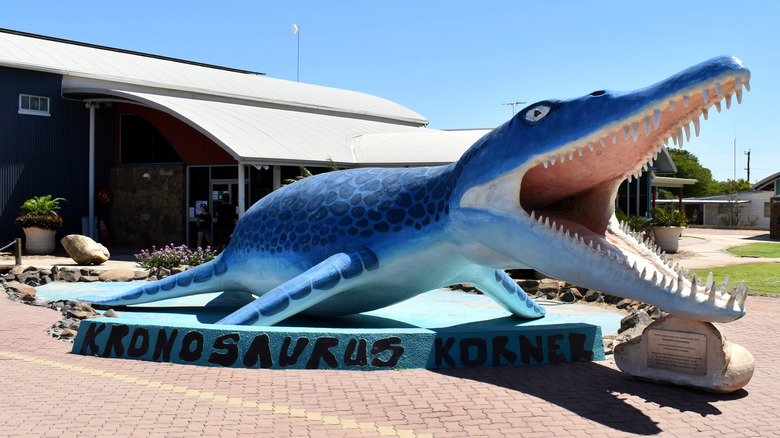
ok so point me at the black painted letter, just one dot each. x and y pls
(229, 358)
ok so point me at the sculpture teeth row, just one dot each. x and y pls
(673, 286)
(677, 285)
(711, 95)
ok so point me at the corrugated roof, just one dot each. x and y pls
(256, 119)
(74, 60)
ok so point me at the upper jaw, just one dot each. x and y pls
(568, 194)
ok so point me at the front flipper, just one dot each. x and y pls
(324, 280)
(502, 289)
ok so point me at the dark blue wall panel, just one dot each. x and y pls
(47, 155)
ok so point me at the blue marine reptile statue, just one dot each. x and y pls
(538, 191)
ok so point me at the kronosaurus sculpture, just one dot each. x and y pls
(539, 191)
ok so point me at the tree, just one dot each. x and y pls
(688, 166)
(731, 186)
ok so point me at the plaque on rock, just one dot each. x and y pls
(680, 352)
(684, 352)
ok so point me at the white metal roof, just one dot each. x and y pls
(75, 60)
(256, 119)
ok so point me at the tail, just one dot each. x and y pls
(208, 277)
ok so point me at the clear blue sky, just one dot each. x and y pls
(455, 62)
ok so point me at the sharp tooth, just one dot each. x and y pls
(718, 89)
(738, 83)
(541, 219)
(571, 154)
(739, 95)
(598, 247)
(590, 146)
(545, 164)
(685, 101)
(680, 282)
(609, 254)
(725, 286)
(635, 131)
(696, 126)
(547, 221)
(694, 286)
(603, 143)
(567, 233)
(533, 215)
(625, 132)
(647, 126)
(706, 94)
(633, 266)
(579, 150)
(717, 105)
(644, 273)
(656, 118)
(552, 160)
(713, 293)
(590, 244)
(671, 105)
(680, 136)
(705, 113)
(614, 137)
(728, 101)
(644, 168)
(629, 178)
(709, 283)
(562, 157)
(561, 228)
(654, 279)
(687, 128)
(582, 241)
(742, 297)
(747, 85)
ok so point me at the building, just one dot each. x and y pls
(742, 209)
(135, 142)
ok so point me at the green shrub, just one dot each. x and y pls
(40, 212)
(173, 256)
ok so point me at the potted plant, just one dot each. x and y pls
(667, 226)
(40, 222)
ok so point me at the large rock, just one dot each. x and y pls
(684, 352)
(84, 250)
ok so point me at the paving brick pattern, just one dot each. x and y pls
(46, 391)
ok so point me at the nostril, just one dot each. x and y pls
(597, 93)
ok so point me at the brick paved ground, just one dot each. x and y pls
(46, 391)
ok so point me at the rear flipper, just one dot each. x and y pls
(502, 288)
(204, 278)
(324, 280)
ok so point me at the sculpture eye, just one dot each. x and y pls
(537, 113)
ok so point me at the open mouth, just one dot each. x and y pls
(572, 191)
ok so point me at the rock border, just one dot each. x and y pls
(20, 282)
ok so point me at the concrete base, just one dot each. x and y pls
(466, 330)
(689, 353)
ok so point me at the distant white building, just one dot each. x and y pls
(751, 209)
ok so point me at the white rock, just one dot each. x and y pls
(84, 250)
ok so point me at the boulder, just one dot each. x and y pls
(118, 274)
(689, 353)
(84, 250)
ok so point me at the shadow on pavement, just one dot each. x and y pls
(597, 393)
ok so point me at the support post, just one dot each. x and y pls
(18, 251)
(91, 195)
(241, 189)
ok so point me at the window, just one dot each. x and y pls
(33, 105)
(767, 209)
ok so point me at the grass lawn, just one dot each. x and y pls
(758, 249)
(761, 278)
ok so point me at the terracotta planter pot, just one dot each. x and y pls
(667, 238)
(39, 241)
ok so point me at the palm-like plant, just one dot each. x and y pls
(667, 218)
(41, 212)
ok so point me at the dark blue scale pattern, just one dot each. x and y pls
(330, 208)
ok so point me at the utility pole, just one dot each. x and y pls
(748, 165)
(513, 104)
(297, 31)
